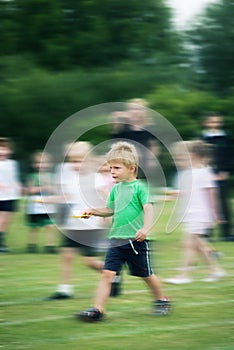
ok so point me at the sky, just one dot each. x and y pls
(185, 10)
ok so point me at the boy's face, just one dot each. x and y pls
(121, 172)
(213, 123)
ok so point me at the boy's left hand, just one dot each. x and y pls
(141, 235)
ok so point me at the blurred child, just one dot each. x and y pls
(10, 189)
(79, 185)
(133, 218)
(104, 171)
(38, 212)
(105, 174)
(199, 209)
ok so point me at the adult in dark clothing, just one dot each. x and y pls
(133, 125)
(214, 135)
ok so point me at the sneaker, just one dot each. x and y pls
(178, 280)
(162, 307)
(116, 286)
(215, 276)
(90, 315)
(59, 296)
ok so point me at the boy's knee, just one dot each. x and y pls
(108, 275)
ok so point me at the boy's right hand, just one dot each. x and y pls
(87, 213)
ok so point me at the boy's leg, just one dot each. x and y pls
(103, 291)
(138, 260)
(113, 263)
(90, 259)
(162, 304)
(154, 284)
(97, 265)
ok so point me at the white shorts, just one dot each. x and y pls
(198, 228)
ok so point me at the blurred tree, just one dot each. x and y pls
(66, 33)
(213, 40)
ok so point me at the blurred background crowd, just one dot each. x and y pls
(57, 58)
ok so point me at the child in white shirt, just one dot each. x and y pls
(78, 186)
(199, 210)
(9, 189)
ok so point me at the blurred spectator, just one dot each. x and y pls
(134, 125)
(199, 209)
(10, 189)
(214, 135)
(39, 212)
(105, 174)
(119, 122)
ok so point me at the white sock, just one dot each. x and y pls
(65, 288)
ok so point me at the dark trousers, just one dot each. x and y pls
(225, 210)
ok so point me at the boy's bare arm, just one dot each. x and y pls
(103, 212)
(142, 234)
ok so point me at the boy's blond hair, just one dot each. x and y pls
(123, 152)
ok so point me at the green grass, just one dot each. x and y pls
(202, 317)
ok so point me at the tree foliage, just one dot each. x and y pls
(66, 33)
(59, 57)
(213, 38)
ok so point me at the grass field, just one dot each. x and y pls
(202, 317)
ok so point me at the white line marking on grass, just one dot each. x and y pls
(43, 319)
(123, 309)
(82, 296)
(122, 333)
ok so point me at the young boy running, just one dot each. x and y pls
(133, 218)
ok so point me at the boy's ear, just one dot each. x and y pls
(133, 168)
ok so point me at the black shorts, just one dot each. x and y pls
(9, 205)
(86, 241)
(136, 255)
(38, 220)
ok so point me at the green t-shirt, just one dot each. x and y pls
(34, 179)
(127, 200)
